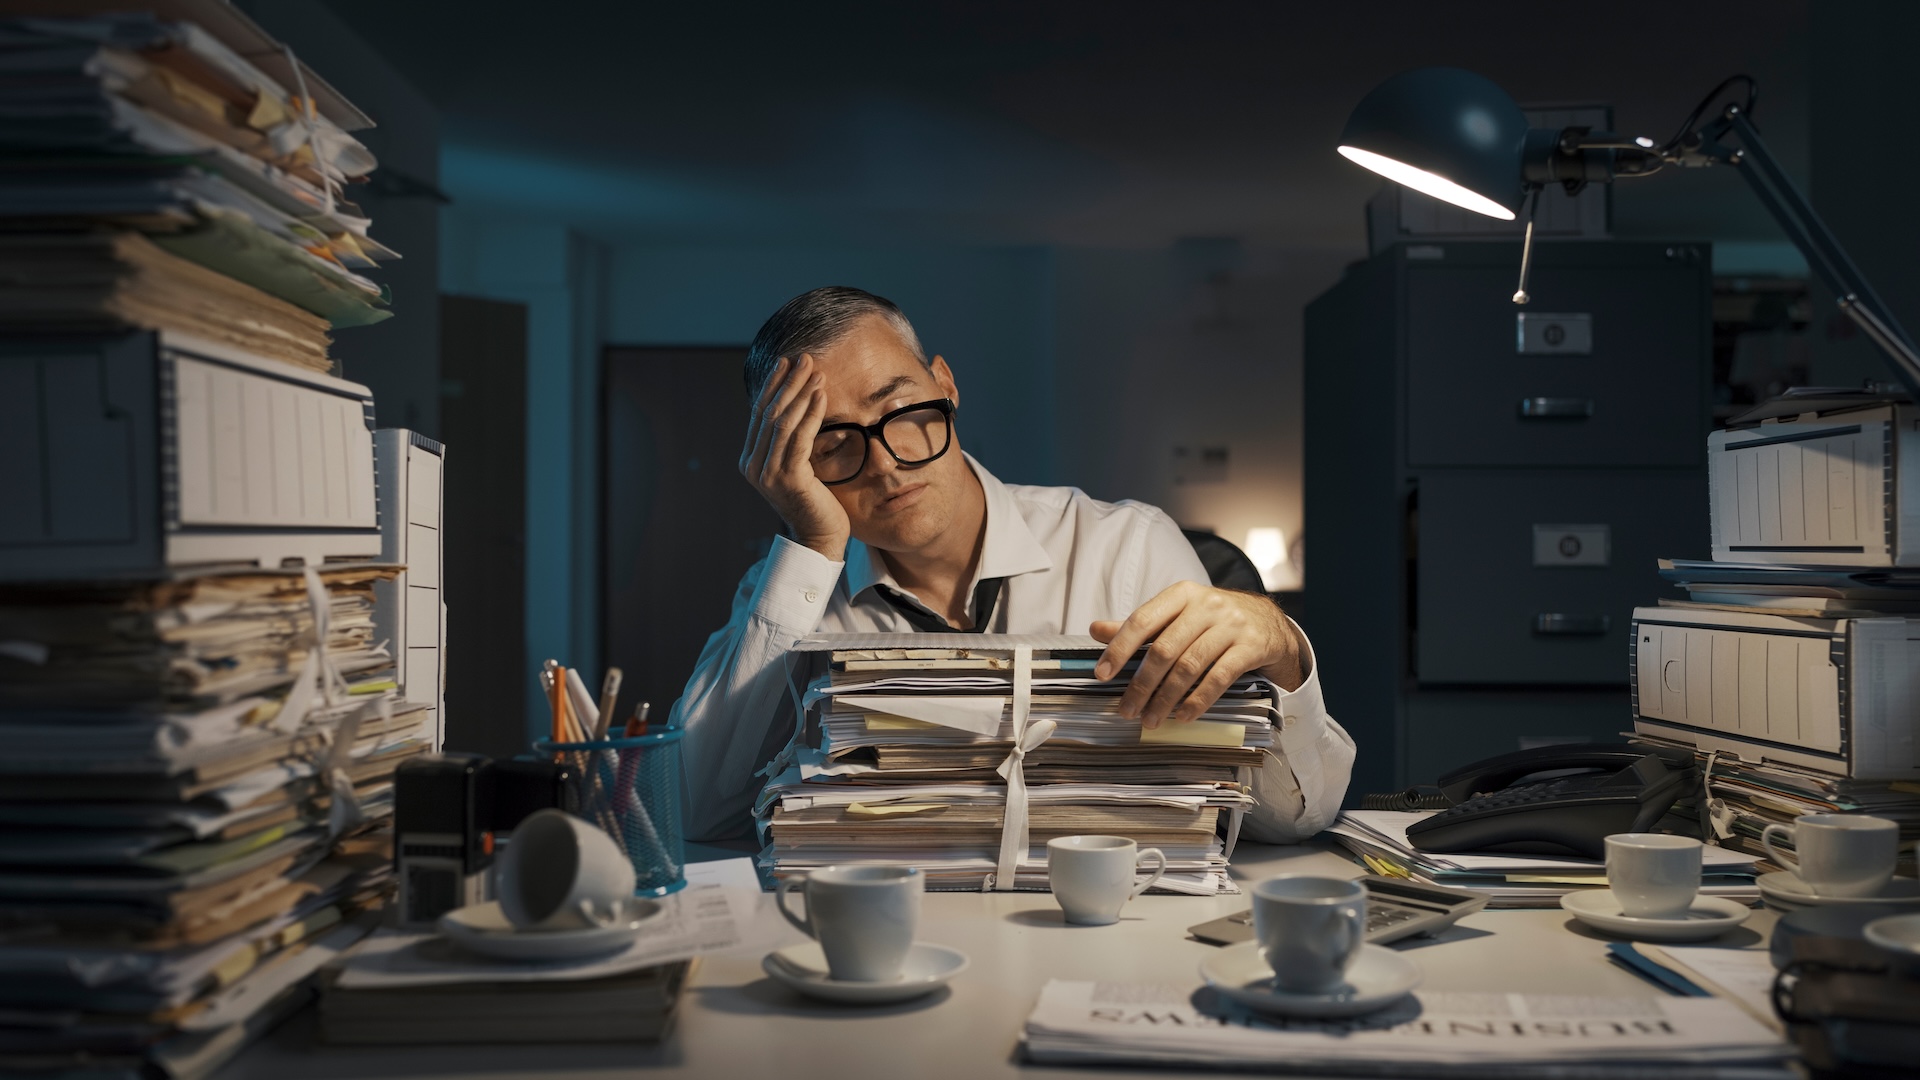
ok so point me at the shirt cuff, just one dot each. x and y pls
(1304, 701)
(798, 583)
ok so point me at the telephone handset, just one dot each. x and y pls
(1618, 788)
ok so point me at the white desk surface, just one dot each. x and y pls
(736, 1022)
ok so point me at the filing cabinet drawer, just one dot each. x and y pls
(1623, 386)
(1530, 578)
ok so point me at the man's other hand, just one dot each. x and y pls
(778, 458)
(1203, 639)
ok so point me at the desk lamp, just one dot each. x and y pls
(1458, 137)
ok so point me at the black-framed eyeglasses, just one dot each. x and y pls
(914, 435)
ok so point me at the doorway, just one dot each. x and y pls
(679, 526)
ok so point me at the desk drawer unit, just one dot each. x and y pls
(1601, 369)
(1528, 577)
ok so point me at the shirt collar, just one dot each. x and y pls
(1009, 549)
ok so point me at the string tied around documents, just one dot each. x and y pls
(1014, 833)
(318, 676)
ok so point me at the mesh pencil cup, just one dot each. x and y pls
(631, 788)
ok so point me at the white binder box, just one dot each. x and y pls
(1838, 488)
(144, 454)
(1841, 696)
(408, 612)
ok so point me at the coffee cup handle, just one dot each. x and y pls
(804, 925)
(1158, 857)
(1356, 928)
(1781, 857)
(587, 912)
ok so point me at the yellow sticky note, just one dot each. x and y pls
(1198, 733)
(891, 809)
(879, 721)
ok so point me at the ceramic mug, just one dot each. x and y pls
(1310, 930)
(1092, 876)
(1653, 875)
(862, 914)
(562, 873)
(1838, 854)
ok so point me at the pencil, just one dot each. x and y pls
(559, 695)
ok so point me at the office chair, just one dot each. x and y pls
(1227, 566)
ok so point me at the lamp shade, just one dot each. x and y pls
(1446, 132)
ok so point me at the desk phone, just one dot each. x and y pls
(1396, 908)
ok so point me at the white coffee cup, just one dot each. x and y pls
(1838, 854)
(1310, 929)
(862, 914)
(1653, 875)
(1092, 876)
(562, 873)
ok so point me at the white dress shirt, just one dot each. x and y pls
(1067, 559)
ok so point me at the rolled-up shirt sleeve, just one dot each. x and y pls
(737, 709)
(1304, 777)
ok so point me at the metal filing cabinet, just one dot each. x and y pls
(1488, 487)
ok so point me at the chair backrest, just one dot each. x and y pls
(1227, 566)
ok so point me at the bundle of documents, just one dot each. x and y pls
(193, 809)
(126, 121)
(1378, 838)
(1747, 796)
(1429, 1034)
(907, 754)
(1823, 592)
(413, 987)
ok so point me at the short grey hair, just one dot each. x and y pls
(815, 320)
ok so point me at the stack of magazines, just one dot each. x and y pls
(192, 809)
(156, 179)
(1378, 838)
(904, 755)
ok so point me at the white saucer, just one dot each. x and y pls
(483, 928)
(1785, 889)
(1710, 916)
(804, 967)
(1376, 980)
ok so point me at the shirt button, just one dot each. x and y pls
(811, 595)
(1288, 721)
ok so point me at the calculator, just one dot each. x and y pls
(1396, 908)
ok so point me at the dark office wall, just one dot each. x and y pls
(399, 358)
(1864, 162)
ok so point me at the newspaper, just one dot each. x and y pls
(1428, 1034)
(714, 913)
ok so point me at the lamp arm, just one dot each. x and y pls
(1823, 252)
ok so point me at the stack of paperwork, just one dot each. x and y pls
(193, 808)
(156, 177)
(1472, 1036)
(413, 987)
(1379, 839)
(907, 752)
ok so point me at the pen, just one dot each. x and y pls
(609, 693)
(637, 723)
(558, 693)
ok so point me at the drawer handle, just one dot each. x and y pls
(1560, 625)
(1555, 408)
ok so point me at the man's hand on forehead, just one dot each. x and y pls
(1203, 639)
(778, 457)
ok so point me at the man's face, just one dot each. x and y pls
(868, 374)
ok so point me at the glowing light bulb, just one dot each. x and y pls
(1427, 183)
(1267, 549)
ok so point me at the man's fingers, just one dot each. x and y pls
(1138, 629)
(1169, 647)
(1185, 672)
(754, 453)
(1104, 629)
(792, 442)
(1232, 664)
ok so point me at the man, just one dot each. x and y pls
(853, 441)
